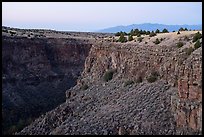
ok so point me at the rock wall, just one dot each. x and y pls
(174, 65)
(132, 61)
(36, 72)
(187, 104)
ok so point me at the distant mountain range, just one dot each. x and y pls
(150, 27)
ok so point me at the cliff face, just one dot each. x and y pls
(155, 89)
(175, 66)
(187, 104)
(36, 72)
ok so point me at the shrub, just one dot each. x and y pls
(5, 30)
(157, 41)
(155, 73)
(139, 79)
(122, 38)
(178, 33)
(148, 32)
(135, 32)
(152, 34)
(189, 51)
(197, 44)
(197, 36)
(186, 38)
(35, 35)
(153, 77)
(12, 32)
(132, 32)
(124, 33)
(108, 75)
(179, 44)
(138, 35)
(157, 31)
(161, 39)
(181, 29)
(143, 32)
(130, 38)
(140, 39)
(119, 33)
(173, 31)
(186, 29)
(129, 82)
(165, 31)
(146, 42)
(84, 87)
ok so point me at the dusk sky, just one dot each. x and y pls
(93, 16)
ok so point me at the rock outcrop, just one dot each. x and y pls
(187, 104)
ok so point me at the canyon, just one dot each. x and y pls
(37, 69)
(63, 75)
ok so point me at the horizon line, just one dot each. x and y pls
(98, 29)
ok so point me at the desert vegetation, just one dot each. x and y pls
(84, 87)
(108, 75)
(140, 39)
(179, 44)
(189, 50)
(165, 31)
(129, 82)
(157, 41)
(153, 77)
(138, 33)
(197, 36)
(152, 34)
(122, 38)
(197, 44)
(139, 79)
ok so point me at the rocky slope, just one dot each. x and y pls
(37, 68)
(155, 89)
(104, 108)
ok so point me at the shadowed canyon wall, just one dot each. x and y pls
(36, 72)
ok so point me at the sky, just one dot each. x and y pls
(93, 16)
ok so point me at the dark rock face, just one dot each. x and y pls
(36, 72)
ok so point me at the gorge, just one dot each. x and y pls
(59, 78)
